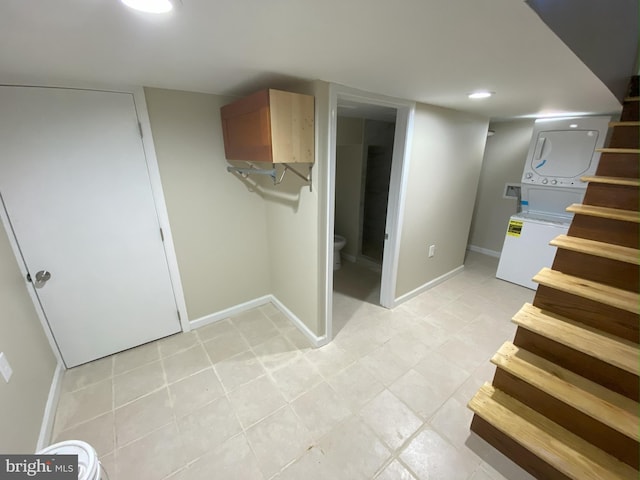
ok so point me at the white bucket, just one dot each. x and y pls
(88, 464)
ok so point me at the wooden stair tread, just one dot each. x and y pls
(613, 350)
(607, 407)
(566, 452)
(618, 150)
(614, 297)
(625, 124)
(626, 181)
(599, 249)
(605, 212)
(632, 99)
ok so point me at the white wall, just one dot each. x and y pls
(504, 159)
(275, 237)
(22, 339)
(445, 164)
(233, 244)
(219, 227)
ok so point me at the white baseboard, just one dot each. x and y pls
(484, 251)
(231, 311)
(428, 285)
(46, 430)
(315, 340)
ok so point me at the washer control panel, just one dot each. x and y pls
(561, 182)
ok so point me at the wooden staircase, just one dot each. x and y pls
(563, 403)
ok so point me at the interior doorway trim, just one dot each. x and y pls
(161, 206)
(158, 197)
(397, 187)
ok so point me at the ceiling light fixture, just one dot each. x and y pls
(573, 125)
(482, 94)
(550, 116)
(149, 6)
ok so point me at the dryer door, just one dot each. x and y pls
(563, 153)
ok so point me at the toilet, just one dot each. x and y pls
(89, 467)
(338, 244)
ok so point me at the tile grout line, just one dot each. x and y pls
(173, 412)
(324, 376)
(226, 396)
(287, 404)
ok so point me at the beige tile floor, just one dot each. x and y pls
(246, 398)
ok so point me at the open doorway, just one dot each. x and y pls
(364, 154)
(369, 143)
(375, 196)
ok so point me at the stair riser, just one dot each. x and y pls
(535, 408)
(603, 270)
(630, 112)
(589, 367)
(622, 354)
(618, 165)
(634, 86)
(605, 230)
(603, 317)
(625, 137)
(600, 435)
(520, 455)
(612, 196)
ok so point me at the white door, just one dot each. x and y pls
(75, 186)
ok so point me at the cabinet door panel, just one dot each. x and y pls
(248, 136)
(270, 126)
(246, 126)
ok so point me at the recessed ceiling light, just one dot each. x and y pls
(483, 94)
(149, 6)
(573, 125)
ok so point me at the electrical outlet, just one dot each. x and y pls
(5, 368)
(432, 250)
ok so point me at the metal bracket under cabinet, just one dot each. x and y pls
(244, 172)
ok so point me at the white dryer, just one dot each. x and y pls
(560, 153)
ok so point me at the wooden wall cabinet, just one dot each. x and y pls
(270, 126)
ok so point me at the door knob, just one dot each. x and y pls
(41, 278)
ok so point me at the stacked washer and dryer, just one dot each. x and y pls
(560, 153)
